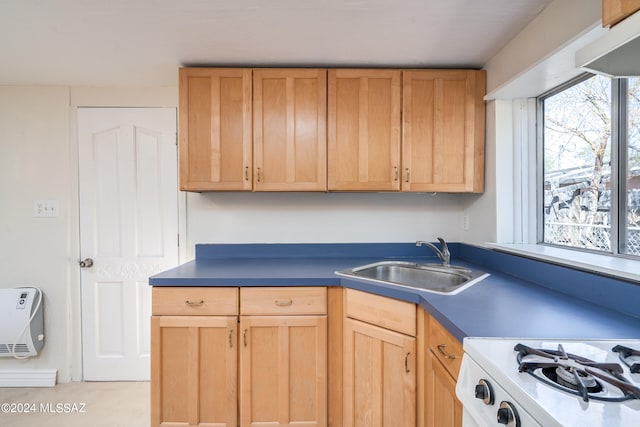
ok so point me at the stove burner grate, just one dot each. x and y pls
(576, 375)
(625, 353)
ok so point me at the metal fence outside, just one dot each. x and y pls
(597, 237)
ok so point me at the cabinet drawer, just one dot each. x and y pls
(445, 347)
(192, 301)
(399, 316)
(283, 300)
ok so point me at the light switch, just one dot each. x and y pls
(45, 208)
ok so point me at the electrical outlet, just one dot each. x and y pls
(465, 222)
(45, 208)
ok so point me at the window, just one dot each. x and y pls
(590, 131)
(630, 168)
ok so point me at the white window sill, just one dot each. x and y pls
(622, 268)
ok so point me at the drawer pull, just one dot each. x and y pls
(284, 303)
(194, 303)
(406, 363)
(444, 353)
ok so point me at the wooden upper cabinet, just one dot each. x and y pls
(364, 130)
(614, 11)
(289, 110)
(295, 129)
(215, 129)
(443, 130)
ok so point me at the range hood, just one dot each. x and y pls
(616, 53)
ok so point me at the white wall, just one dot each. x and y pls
(561, 22)
(35, 164)
(481, 211)
(321, 217)
(540, 57)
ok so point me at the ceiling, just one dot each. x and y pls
(143, 42)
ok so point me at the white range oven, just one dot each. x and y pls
(548, 383)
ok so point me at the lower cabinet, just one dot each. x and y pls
(379, 375)
(283, 371)
(227, 357)
(258, 357)
(194, 371)
(443, 409)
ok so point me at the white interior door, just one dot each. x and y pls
(128, 228)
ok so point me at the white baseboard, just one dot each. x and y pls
(28, 377)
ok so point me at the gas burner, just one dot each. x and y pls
(577, 375)
(625, 353)
(572, 378)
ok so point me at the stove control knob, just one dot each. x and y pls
(508, 415)
(484, 392)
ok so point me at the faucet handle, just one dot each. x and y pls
(445, 252)
(443, 243)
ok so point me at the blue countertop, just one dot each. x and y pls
(521, 297)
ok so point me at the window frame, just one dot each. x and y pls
(618, 166)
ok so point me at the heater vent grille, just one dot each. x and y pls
(20, 348)
(21, 322)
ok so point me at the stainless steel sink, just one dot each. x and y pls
(436, 278)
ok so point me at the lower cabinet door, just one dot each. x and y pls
(379, 377)
(283, 371)
(194, 371)
(443, 407)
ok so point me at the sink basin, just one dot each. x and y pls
(428, 277)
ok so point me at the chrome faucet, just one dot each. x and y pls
(444, 255)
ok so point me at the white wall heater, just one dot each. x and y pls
(21, 322)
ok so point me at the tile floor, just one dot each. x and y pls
(80, 404)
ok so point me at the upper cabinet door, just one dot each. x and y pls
(290, 108)
(614, 11)
(364, 130)
(215, 129)
(443, 131)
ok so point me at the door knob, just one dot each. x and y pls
(86, 263)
